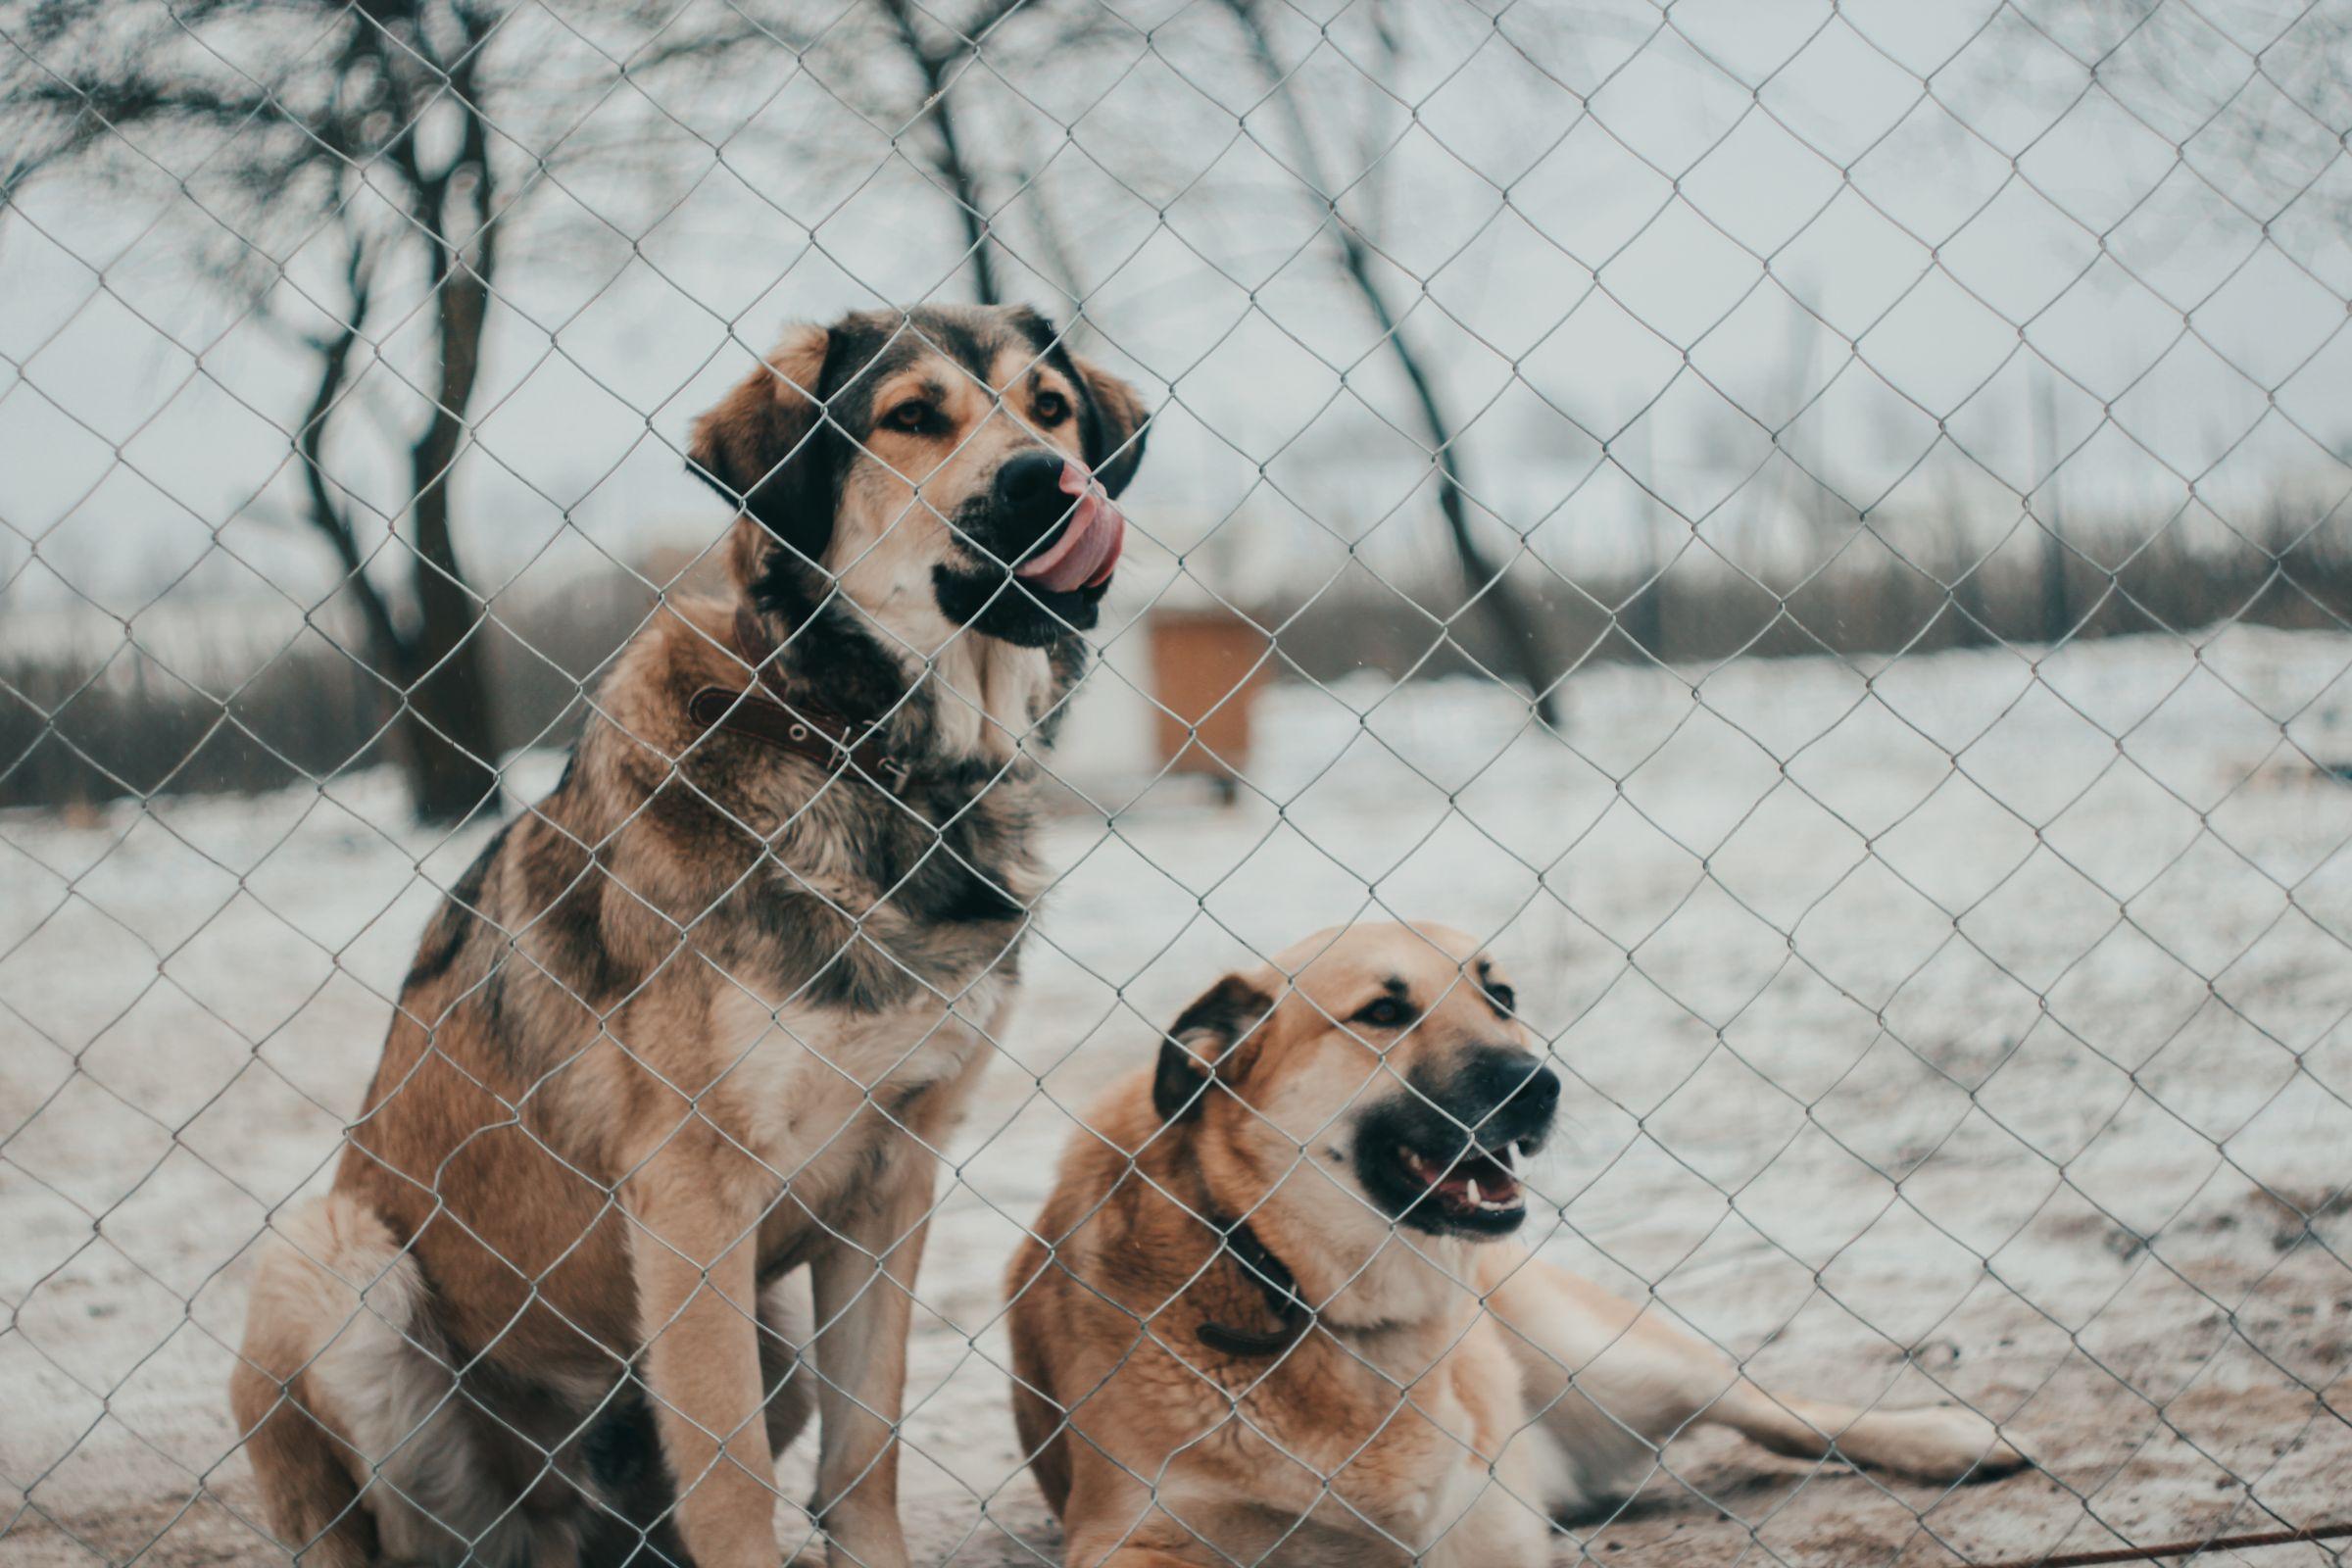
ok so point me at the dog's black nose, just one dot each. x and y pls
(1507, 1093)
(1030, 481)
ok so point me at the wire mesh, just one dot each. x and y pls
(1813, 534)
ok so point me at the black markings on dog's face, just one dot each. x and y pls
(1390, 1008)
(1201, 1044)
(871, 448)
(939, 412)
(1421, 1150)
(767, 449)
(1498, 991)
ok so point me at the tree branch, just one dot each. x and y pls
(1523, 641)
(963, 189)
(309, 444)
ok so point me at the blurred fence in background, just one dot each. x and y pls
(1823, 525)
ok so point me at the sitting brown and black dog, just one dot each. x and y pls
(1270, 1314)
(702, 1015)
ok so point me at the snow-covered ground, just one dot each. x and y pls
(1963, 1023)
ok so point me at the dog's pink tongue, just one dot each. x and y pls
(1088, 550)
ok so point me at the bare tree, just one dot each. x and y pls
(391, 137)
(1519, 631)
(2057, 612)
(941, 47)
(939, 55)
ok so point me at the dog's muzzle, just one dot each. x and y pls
(1058, 528)
(1445, 1156)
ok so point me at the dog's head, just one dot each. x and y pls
(954, 459)
(1392, 1060)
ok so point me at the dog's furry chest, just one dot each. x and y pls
(1406, 1446)
(850, 901)
(832, 1100)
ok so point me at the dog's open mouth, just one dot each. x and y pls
(1478, 1186)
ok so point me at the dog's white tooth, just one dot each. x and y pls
(1475, 1199)
(1511, 1159)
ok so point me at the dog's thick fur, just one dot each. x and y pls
(1451, 1391)
(700, 1016)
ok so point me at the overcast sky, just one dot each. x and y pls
(1871, 236)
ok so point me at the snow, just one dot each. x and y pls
(1968, 1026)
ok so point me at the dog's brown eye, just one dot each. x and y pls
(1505, 999)
(1051, 407)
(1386, 1012)
(913, 416)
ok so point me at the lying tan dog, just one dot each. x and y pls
(1248, 1326)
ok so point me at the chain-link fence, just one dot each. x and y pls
(1808, 537)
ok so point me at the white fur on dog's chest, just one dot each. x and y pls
(806, 1075)
(1430, 1480)
(1450, 1474)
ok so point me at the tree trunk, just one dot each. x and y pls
(1644, 618)
(962, 186)
(967, 202)
(444, 734)
(447, 739)
(1524, 645)
(450, 720)
(443, 717)
(2057, 616)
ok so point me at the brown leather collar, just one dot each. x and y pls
(818, 734)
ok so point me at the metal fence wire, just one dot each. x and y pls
(1814, 533)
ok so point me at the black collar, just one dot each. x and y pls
(823, 736)
(1261, 1268)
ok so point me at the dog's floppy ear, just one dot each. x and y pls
(764, 447)
(1120, 425)
(1210, 1039)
